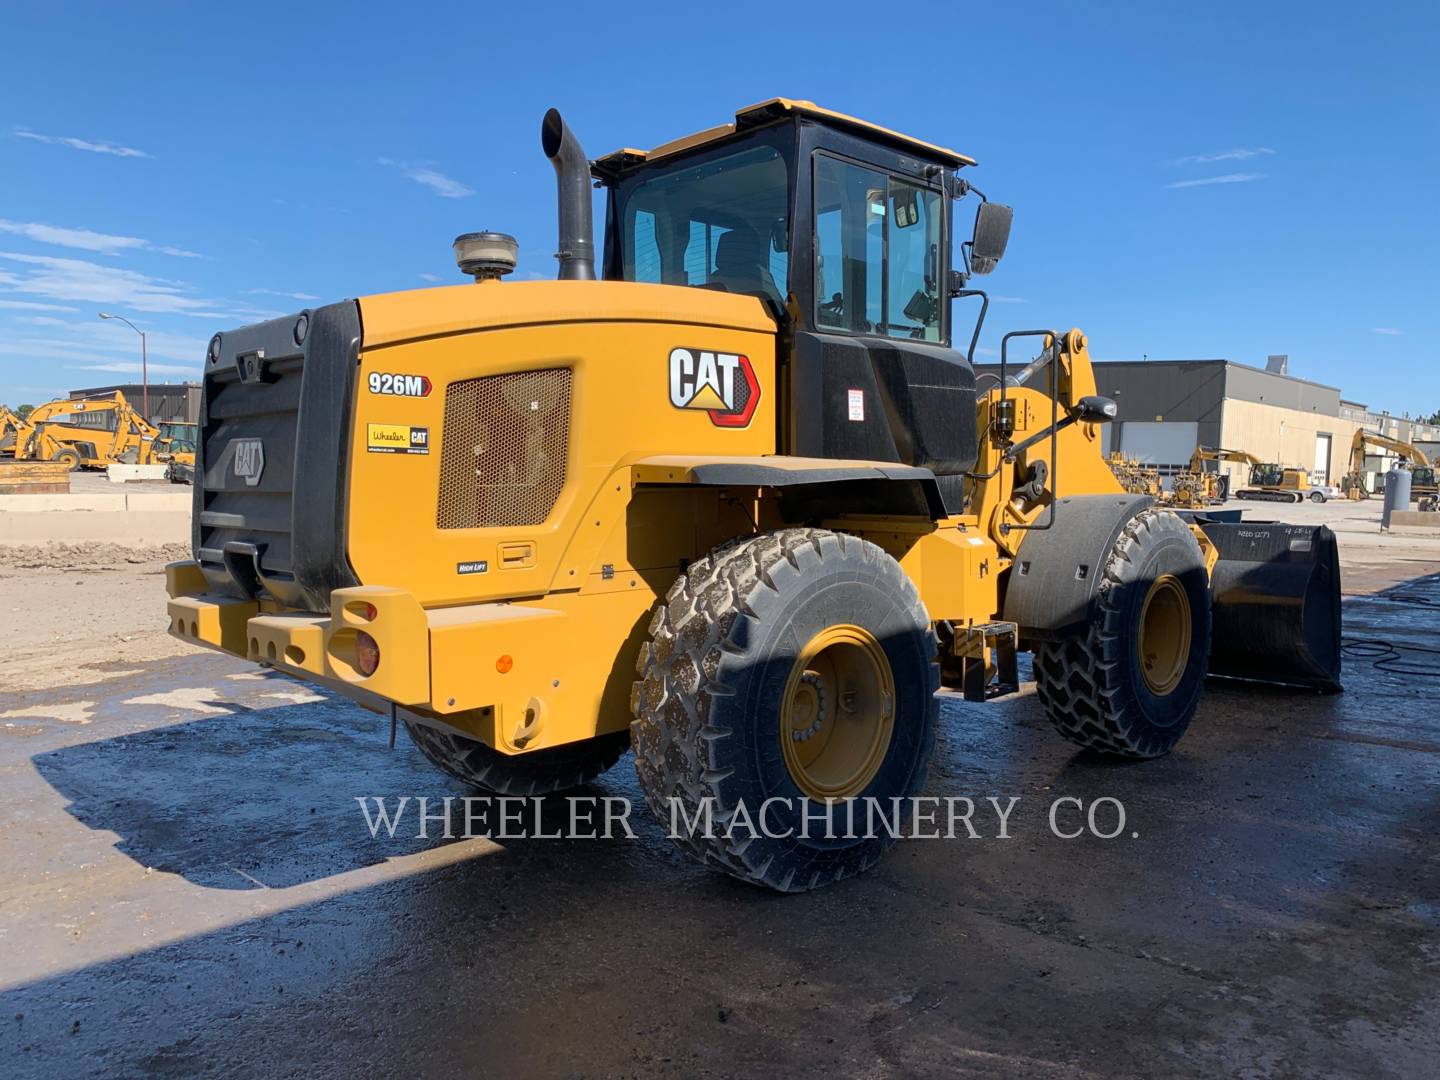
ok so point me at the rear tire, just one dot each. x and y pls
(798, 666)
(1317, 496)
(538, 772)
(1130, 686)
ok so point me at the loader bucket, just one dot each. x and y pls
(1275, 603)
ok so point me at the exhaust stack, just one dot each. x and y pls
(572, 182)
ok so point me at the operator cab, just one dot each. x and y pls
(1267, 474)
(843, 229)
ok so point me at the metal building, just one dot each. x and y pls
(1166, 408)
(169, 402)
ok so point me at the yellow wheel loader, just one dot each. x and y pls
(731, 499)
(175, 445)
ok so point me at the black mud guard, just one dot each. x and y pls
(809, 488)
(1056, 571)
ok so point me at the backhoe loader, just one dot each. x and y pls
(1422, 475)
(731, 499)
(59, 431)
(10, 424)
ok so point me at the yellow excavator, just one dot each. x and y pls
(732, 499)
(1422, 475)
(1272, 482)
(62, 430)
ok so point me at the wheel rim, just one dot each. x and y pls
(1164, 641)
(838, 713)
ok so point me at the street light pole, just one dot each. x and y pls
(144, 364)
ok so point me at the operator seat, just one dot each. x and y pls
(742, 259)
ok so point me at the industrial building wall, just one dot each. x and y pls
(1165, 408)
(1288, 436)
(169, 402)
(1162, 444)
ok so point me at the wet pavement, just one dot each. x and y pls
(189, 886)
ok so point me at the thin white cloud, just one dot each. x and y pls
(425, 173)
(1228, 178)
(1388, 331)
(1244, 153)
(123, 368)
(87, 239)
(32, 305)
(84, 239)
(41, 320)
(82, 144)
(429, 277)
(286, 295)
(1008, 300)
(119, 338)
(62, 279)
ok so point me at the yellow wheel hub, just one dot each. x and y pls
(1164, 642)
(838, 713)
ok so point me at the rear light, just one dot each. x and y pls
(367, 653)
(370, 612)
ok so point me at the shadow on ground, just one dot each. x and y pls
(1269, 909)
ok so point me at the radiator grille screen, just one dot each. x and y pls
(502, 456)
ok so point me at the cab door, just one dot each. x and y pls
(872, 375)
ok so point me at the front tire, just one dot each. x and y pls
(1317, 496)
(538, 772)
(69, 457)
(797, 666)
(1131, 684)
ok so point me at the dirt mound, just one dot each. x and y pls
(96, 556)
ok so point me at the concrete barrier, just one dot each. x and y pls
(134, 519)
(1415, 522)
(123, 474)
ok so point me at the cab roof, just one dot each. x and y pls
(753, 116)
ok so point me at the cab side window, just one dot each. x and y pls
(877, 253)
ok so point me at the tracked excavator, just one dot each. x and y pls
(1422, 474)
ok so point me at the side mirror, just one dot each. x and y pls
(992, 233)
(1094, 409)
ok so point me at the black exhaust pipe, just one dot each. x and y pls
(572, 181)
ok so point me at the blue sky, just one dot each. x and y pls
(1218, 180)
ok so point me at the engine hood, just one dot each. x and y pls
(391, 318)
